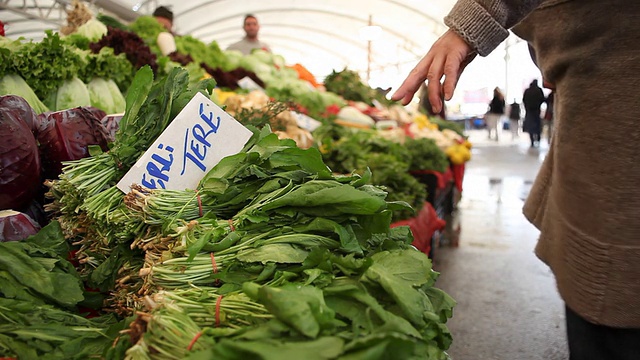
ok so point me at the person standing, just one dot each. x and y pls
(514, 119)
(585, 200)
(165, 17)
(495, 113)
(532, 99)
(548, 114)
(165, 40)
(250, 41)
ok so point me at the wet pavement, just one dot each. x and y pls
(508, 307)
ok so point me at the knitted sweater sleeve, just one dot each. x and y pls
(484, 24)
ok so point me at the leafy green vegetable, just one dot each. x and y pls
(35, 270)
(107, 65)
(349, 85)
(210, 54)
(446, 124)
(105, 95)
(72, 93)
(356, 150)
(426, 155)
(12, 84)
(32, 331)
(47, 64)
(323, 348)
(148, 28)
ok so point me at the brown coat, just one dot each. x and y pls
(586, 198)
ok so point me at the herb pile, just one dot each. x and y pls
(272, 256)
(346, 150)
(350, 86)
(40, 300)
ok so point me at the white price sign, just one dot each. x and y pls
(248, 84)
(306, 122)
(195, 141)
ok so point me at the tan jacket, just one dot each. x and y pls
(586, 198)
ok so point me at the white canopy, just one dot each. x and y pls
(322, 35)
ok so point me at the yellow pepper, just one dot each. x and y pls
(458, 154)
(223, 95)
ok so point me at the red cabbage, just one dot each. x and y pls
(22, 108)
(112, 124)
(16, 226)
(19, 161)
(66, 135)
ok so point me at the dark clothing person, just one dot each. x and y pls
(588, 341)
(514, 111)
(496, 106)
(514, 119)
(493, 118)
(548, 114)
(584, 202)
(532, 99)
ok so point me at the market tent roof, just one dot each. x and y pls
(321, 35)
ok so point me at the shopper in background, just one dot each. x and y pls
(166, 40)
(250, 41)
(548, 114)
(514, 119)
(493, 117)
(164, 17)
(532, 99)
(585, 200)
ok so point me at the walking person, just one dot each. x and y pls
(532, 99)
(514, 119)
(584, 202)
(494, 115)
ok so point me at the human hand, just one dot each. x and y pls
(448, 56)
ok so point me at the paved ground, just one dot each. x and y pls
(508, 307)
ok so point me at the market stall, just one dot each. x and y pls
(297, 242)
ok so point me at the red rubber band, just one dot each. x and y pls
(213, 264)
(233, 228)
(218, 310)
(199, 204)
(193, 341)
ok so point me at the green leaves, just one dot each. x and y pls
(30, 270)
(324, 348)
(31, 331)
(46, 64)
(404, 275)
(301, 307)
(276, 253)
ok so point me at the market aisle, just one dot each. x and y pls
(508, 307)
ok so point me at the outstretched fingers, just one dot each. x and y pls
(413, 82)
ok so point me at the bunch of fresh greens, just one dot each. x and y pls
(47, 64)
(347, 150)
(107, 65)
(381, 306)
(446, 124)
(350, 86)
(206, 306)
(426, 155)
(34, 331)
(36, 270)
(133, 46)
(211, 55)
(89, 205)
(38, 298)
(148, 28)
